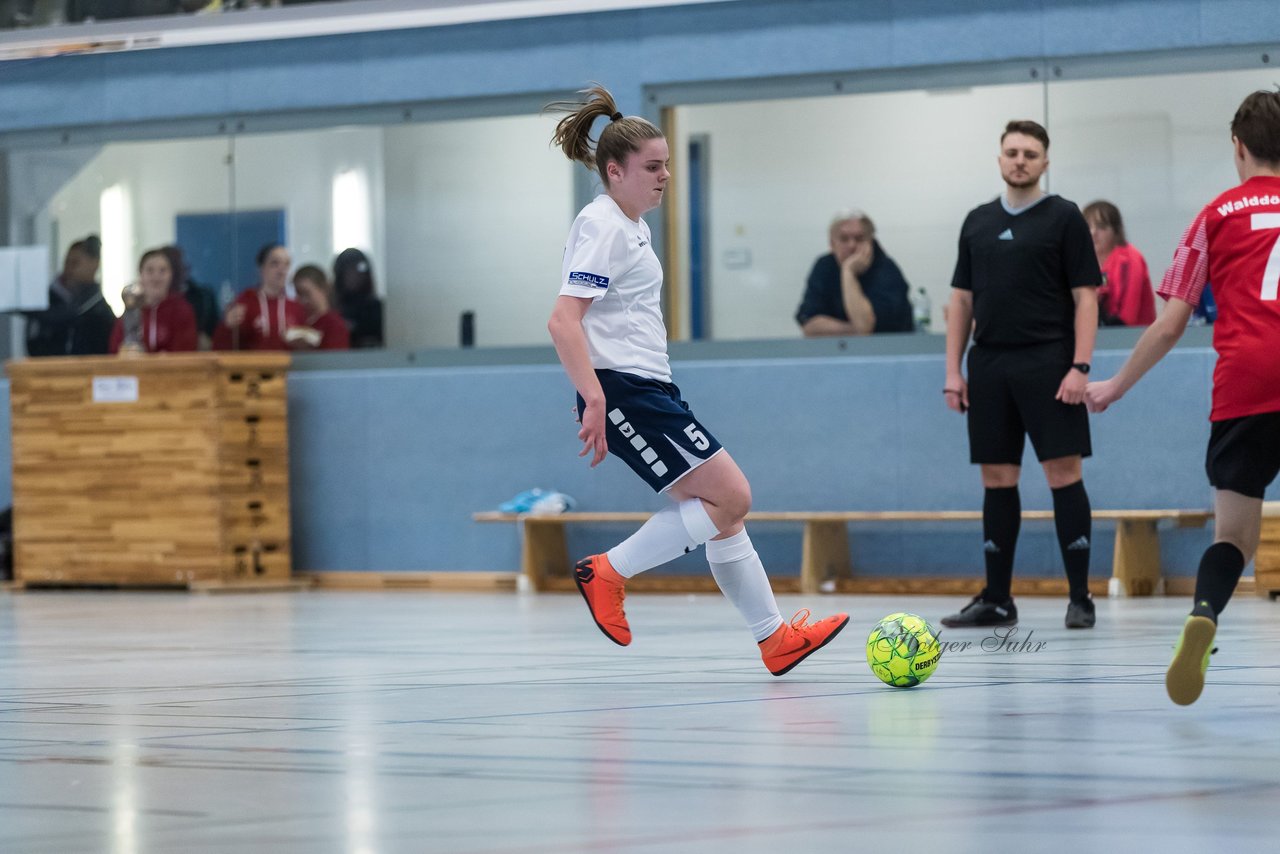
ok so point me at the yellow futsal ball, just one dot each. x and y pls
(903, 650)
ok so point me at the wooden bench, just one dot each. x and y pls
(1266, 566)
(825, 560)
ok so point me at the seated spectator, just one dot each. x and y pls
(857, 289)
(261, 315)
(78, 320)
(203, 301)
(357, 298)
(166, 323)
(315, 292)
(1126, 297)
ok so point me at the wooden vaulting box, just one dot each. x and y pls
(161, 470)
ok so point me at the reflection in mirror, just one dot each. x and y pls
(477, 214)
(915, 161)
(1157, 147)
(461, 224)
(131, 194)
(451, 217)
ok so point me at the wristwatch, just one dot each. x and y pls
(1082, 367)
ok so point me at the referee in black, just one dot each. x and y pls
(1025, 285)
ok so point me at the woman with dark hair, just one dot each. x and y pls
(260, 317)
(1126, 297)
(166, 323)
(326, 330)
(357, 298)
(202, 300)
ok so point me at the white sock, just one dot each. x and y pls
(669, 533)
(742, 579)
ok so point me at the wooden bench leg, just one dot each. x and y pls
(1266, 565)
(543, 551)
(1136, 568)
(825, 554)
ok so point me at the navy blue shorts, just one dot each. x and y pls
(650, 428)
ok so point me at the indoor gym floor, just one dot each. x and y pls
(375, 722)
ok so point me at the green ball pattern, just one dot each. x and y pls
(903, 650)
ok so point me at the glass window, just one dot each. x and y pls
(477, 213)
(132, 195)
(914, 161)
(1156, 146)
(467, 217)
(454, 217)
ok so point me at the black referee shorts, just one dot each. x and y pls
(1244, 454)
(1011, 396)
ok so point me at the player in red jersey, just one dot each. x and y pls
(1235, 244)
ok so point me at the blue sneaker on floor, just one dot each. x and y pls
(545, 502)
(522, 502)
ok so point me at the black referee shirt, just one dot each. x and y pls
(1021, 269)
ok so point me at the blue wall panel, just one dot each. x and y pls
(388, 466)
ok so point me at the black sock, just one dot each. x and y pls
(1219, 572)
(1001, 519)
(1074, 521)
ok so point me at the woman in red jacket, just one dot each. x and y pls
(327, 330)
(166, 322)
(1126, 297)
(260, 317)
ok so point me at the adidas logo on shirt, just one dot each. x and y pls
(1007, 234)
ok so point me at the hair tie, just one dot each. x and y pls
(615, 117)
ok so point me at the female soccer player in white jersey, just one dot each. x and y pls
(608, 331)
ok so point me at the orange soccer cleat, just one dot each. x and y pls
(793, 642)
(602, 588)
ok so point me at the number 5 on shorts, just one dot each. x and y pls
(697, 437)
(1270, 278)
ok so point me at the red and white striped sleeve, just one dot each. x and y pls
(1189, 273)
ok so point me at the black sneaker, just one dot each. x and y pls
(980, 613)
(1081, 614)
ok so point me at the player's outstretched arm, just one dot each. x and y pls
(565, 327)
(1150, 349)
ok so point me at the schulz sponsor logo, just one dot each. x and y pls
(591, 280)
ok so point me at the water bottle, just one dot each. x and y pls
(467, 329)
(922, 310)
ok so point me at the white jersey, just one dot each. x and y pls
(609, 259)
